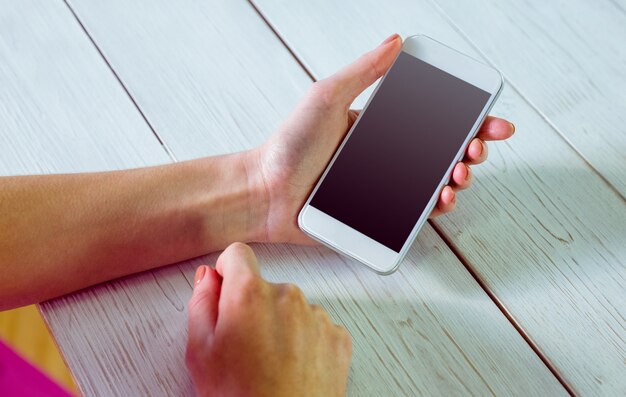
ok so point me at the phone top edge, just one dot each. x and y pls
(454, 62)
(421, 35)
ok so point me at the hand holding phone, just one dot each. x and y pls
(285, 169)
(386, 176)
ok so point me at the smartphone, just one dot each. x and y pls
(386, 176)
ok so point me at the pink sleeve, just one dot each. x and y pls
(19, 378)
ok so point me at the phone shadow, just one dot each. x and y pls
(537, 230)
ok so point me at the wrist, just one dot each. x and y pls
(235, 203)
(258, 196)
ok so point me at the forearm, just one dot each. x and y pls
(60, 233)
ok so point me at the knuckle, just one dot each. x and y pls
(251, 289)
(321, 314)
(345, 339)
(251, 284)
(197, 301)
(326, 92)
(194, 301)
(373, 59)
(292, 293)
(240, 249)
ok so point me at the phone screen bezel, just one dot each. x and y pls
(348, 241)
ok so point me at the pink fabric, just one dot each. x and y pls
(20, 379)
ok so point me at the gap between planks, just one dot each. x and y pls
(168, 151)
(438, 230)
(546, 361)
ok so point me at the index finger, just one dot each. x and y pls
(495, 129)
(237, 262)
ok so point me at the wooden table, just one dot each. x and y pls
(521, 291)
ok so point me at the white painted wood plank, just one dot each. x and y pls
(197, 94)
(542, 230)
(427, 330)
(568, 59)
(126, 337)
(62, 110)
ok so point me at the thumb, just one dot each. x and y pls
(360, 74)
(203, 305)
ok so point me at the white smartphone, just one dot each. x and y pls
(385, 178)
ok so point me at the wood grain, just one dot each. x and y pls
(429, 329)
(61, 109)
(543, 232)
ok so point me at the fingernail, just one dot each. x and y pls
(512, 126)
(200, 272)
(390, 39)
(480, 143)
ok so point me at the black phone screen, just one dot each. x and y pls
(404, 142)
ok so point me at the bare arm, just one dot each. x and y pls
(60, 233)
